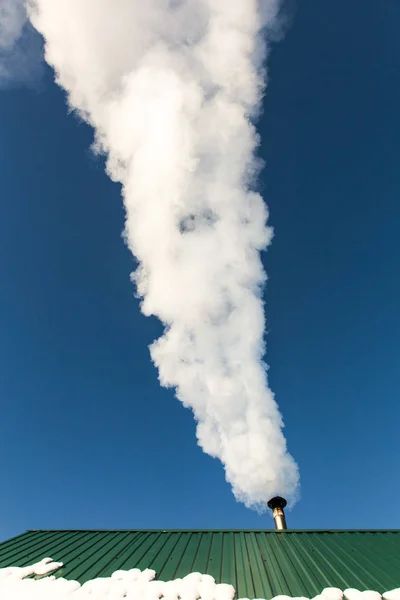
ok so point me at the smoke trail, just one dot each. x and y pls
(20, 46)
(169, 87)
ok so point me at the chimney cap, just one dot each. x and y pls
(277, 502)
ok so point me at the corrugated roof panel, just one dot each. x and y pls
(259, 564)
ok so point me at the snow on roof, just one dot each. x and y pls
(16, 584)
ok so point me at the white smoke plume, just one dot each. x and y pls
(170, 88)
(20, 46)
(12, 21)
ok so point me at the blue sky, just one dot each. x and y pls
(87, 436)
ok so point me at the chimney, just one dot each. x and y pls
(277, 505)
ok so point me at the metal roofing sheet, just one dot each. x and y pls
(260, 564)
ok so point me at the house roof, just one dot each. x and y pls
(259, 564)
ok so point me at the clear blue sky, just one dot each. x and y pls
(87, 437)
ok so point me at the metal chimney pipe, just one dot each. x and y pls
(277, 504)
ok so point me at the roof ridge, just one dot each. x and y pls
(227, 530)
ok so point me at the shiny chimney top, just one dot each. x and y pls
(277, 505)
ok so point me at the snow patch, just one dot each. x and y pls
(135, 584)
(351, 594)
(392, 594)
(45, 566)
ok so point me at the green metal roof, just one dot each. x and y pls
(259, 564)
